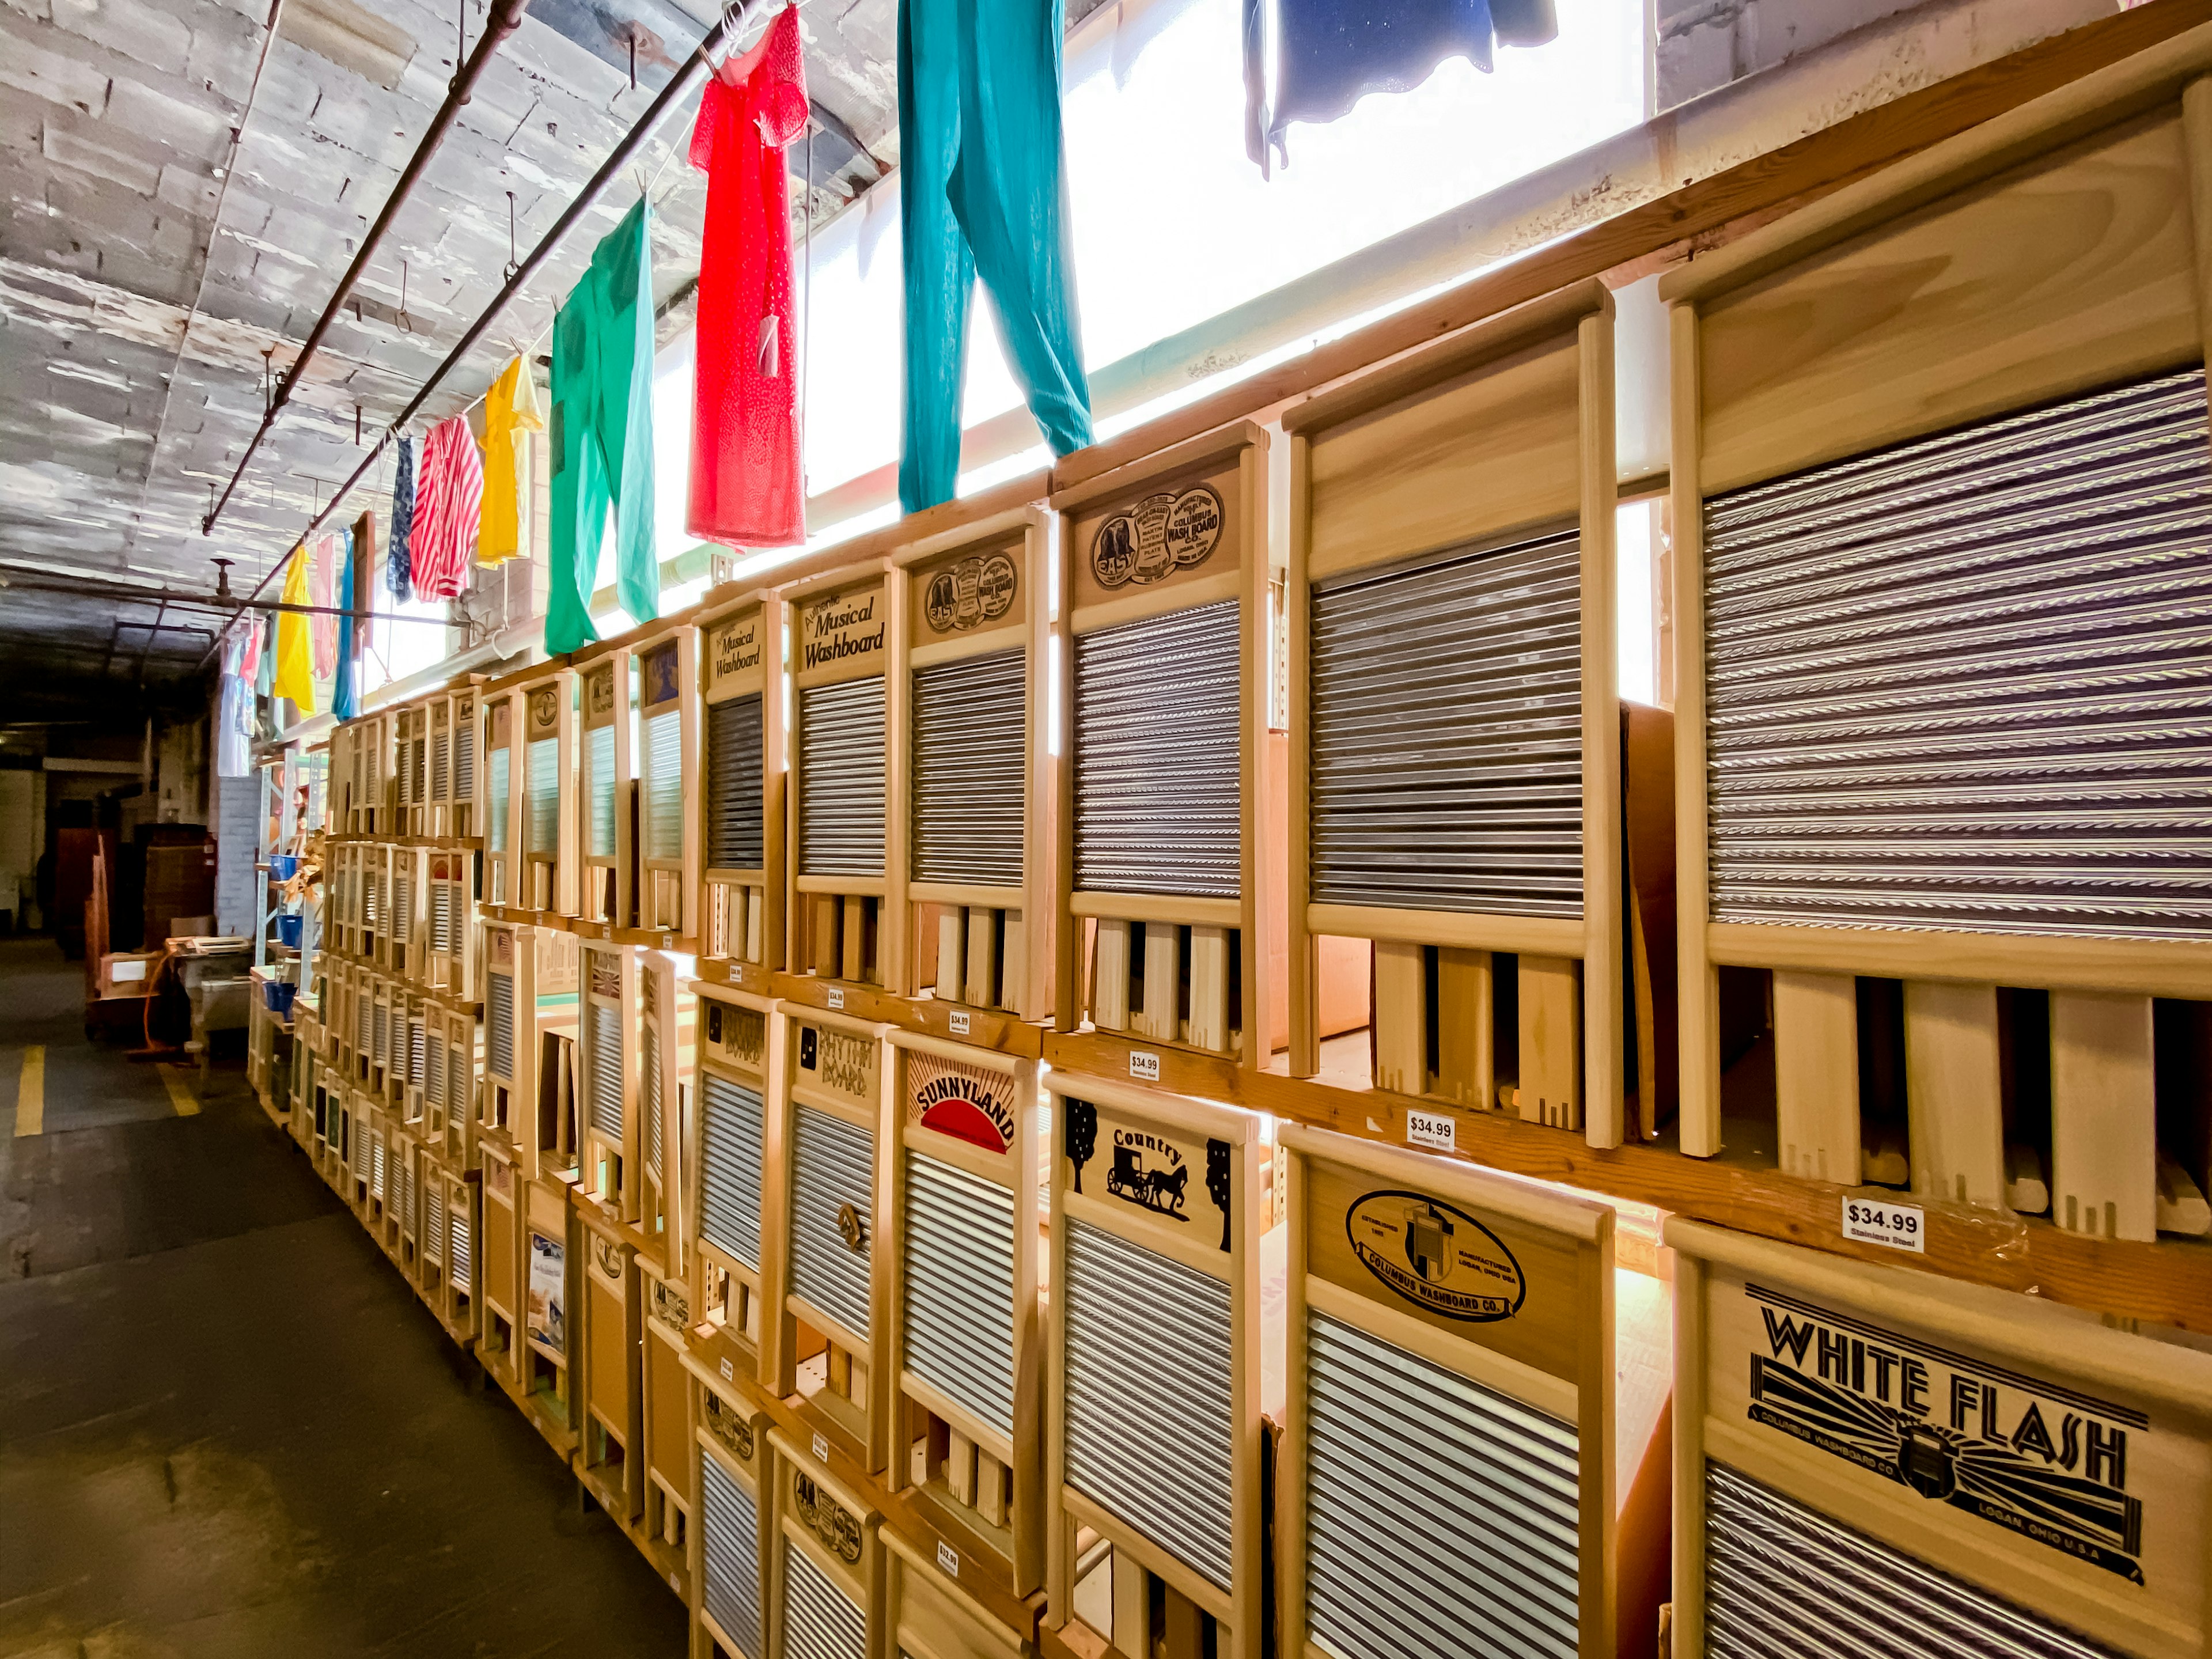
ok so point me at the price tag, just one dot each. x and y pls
(821, 1449)
(1899, 1226)
(960, 1022)
(729, 1372)
(1432, 1129)
(1144, 1067)
(949, 1558)
(836, 998)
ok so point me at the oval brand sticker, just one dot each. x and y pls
(1440, 1258)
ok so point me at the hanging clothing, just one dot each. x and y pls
(344, 698)
(602, 435)
(232, 759)
(447, 501)
(505, 524)
(1330, 54)
(296, 659)
(322, 575)
(397, 573)
(747, 485)
(981, 192)
(249, 661)
(364, 582)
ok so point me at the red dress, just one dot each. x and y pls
(746, 485)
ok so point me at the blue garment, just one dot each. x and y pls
(398, 575)
(981, 193)
(1331, 53)
(344, 698)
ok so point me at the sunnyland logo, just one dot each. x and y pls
(1436, 1257)
(2036, 1458)
(842, 628)
(967, 1104)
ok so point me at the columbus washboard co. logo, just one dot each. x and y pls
(1436, 1257)
(843, 628)
(544, 707)
(978, 589)
(1157, 536)
(724, 1423)
(968, 1103)
(670, 1305)
(600, 693)
(2039, 1459)
(825, 1517)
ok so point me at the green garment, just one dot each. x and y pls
(981, 193)
(602, 437)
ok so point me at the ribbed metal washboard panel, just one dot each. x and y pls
(960, 1287)
(464, 759)
(648, 1070)
(729, 1178)
(460, 1260)
(434, 1070)
(734, 807)
(1782, 1581)
(730, 1557)
(444, 899)
(502, 783)
(1963, 683)
(1447, 754)
(1490, 1569)
(498, 1024)
(434, 1220)
(832, 1164)
(1148, 1400)
(544, 803)
(605, 1065)
(664, 785)
(441, 776)
(1156, 755)
(600, 790)
(968, 730)
(841, 779)
(820, 1622)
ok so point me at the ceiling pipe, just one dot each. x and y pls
(233, 608)
(710, 53)
(506, 18)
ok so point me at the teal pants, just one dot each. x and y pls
(981, 194)
(602, 436)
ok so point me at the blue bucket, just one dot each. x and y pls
(290, 930)
(279, 995)
(283, 866)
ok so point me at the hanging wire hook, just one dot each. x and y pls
(512, 267)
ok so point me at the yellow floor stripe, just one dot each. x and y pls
(177, 1081)
(31, 1092)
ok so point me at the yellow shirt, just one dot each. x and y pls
(296, 651)
(510, 415)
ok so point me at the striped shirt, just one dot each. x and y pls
(448, 496)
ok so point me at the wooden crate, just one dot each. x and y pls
(828, 1274)
(740, 912)
(1166, 892)
(967, 669)
(826, 1569)
(966, 1321)
(2012, 323)
(928, 1615)
(847, 842)
(502, 1254)
(1973, 1470)
(665, 1452)
(531, 987)
(667, 1032)
(1460, 1329)
(608, 1031)
(1157, 1209)
(548, 810)
(732, 1538)
(606, 787)
(1454, 722)
(732, 1142)
(610, 1390)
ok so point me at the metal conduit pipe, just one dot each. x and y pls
(506, 18)
(709, 53)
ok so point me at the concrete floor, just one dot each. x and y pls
(226, 1427)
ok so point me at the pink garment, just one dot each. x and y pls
(322, 576)
(747, 485)
(448, 500)
(249, 661)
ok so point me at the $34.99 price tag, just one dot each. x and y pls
(1145, 1067)
(836, 998)
(1432, 1129)
(1897, 1226)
